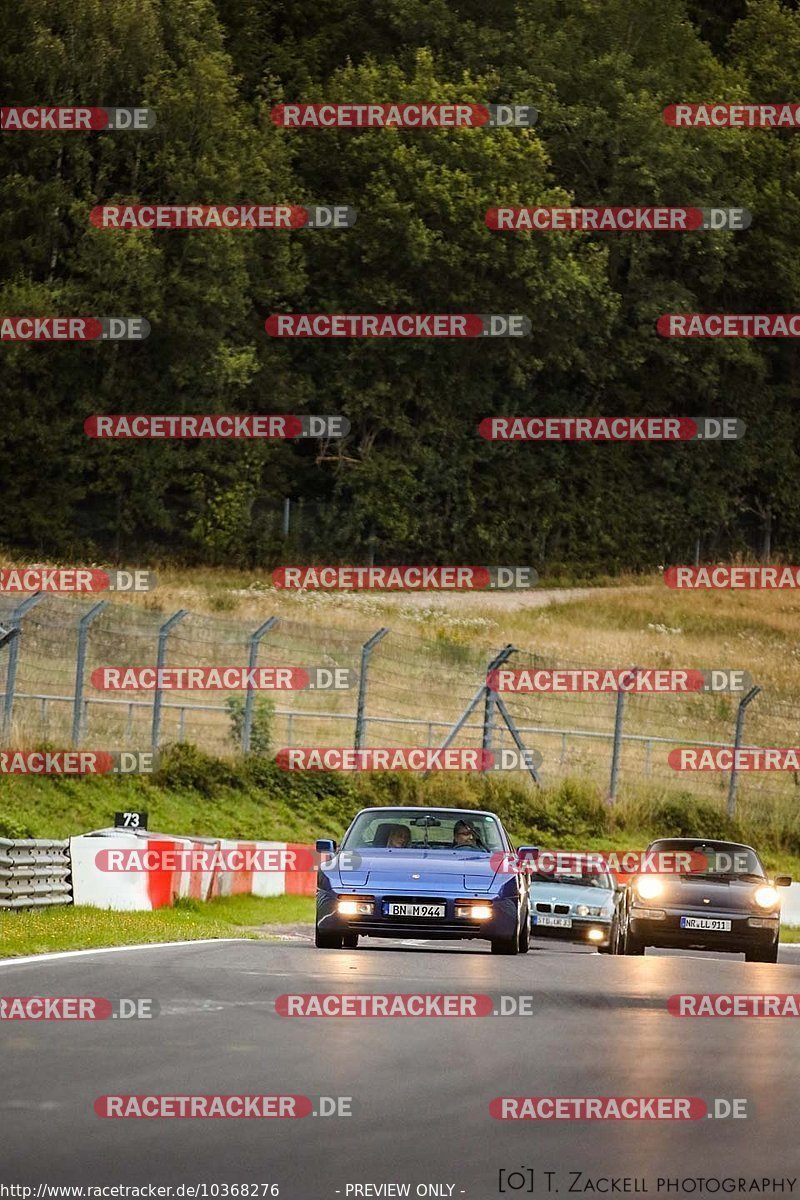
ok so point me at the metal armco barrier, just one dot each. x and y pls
(34, 873)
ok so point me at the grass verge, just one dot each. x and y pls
(38, 931)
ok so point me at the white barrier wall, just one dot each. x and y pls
(790, 907)
(290, 871)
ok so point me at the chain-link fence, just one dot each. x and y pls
(409, 690)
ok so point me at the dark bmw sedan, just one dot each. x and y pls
(725, 902)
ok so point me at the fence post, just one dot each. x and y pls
(491, 698)
(617, 750)
(13, 639)
(737, 741)
(83, 638)
(249, 700)
(366, 651)
(163, 634)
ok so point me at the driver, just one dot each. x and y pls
(399, 838)
(464, 836)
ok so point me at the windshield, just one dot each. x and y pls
(436, 829)
(722, 860)
(590, 879)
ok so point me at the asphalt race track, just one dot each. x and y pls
(421, 1087)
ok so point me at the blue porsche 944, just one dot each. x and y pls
(425, 873)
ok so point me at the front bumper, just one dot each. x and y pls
(578, 932)
(742, 935)
(501, 924)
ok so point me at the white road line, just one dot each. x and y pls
(61, 954)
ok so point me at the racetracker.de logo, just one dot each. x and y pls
(183, 1107)
(630, 679)
(235, 679)
(221, 425)
(74, 579)
(409, 579)
(729, 325)
(261, 860)
(737, 578)
(616, 220)
(732, 1004)
(223, 216)
(76, 1008)
(403, 758)
(396, 325)
(726, 758)
(74, 120)
(74, 329)
(404, 116)
(728, 116)
(592, 862)
(610, 429)
(612, 1108)
(77, 762)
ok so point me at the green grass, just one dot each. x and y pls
(40, 930)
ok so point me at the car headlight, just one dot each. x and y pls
(583, 910)
(355, 906)
(474, 912)
(648, 887)
(766, 897)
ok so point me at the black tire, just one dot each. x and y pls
(350, 941)
(524, 943)
(508, 945)
(770, 955)
(632, 945)
(613, 942)
(327, 941)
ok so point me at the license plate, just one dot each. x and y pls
(416, 910)
(558, 922)
(705, 923)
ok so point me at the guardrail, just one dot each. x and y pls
(34, 873)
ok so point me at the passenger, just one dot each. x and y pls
(399, 838)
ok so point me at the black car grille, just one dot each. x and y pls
(558, 908)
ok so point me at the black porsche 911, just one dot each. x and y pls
(727, 903)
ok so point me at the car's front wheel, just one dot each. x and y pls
(770, 954)
(631, 944)
(327, 941)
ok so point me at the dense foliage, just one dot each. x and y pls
(413, 481)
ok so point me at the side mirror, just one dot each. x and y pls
(783, 880)
(527, 851)
(326, 846)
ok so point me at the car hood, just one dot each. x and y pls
(472, 869)
(724, 894)
(569, 893)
